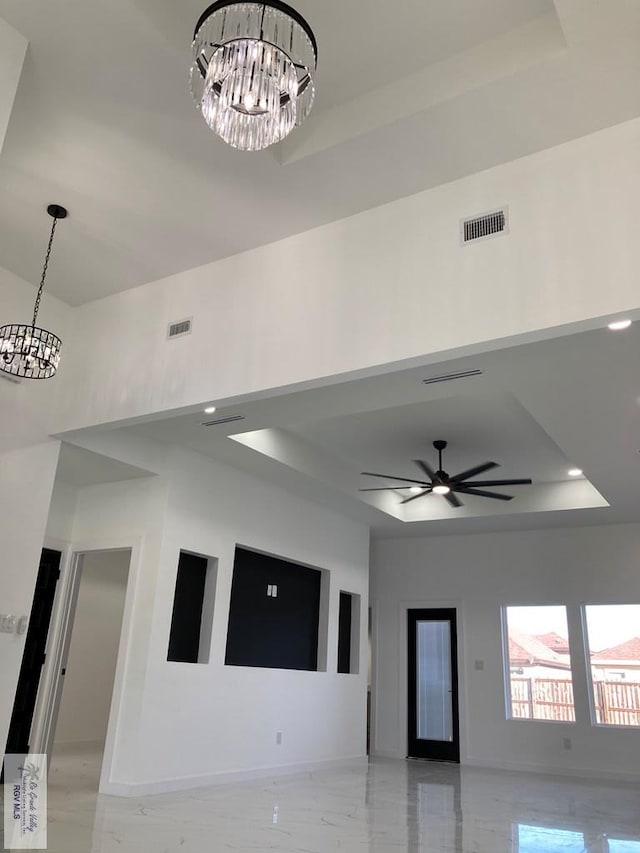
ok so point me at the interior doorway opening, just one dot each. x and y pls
(80, 703)
(34, 655)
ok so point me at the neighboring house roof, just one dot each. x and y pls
(628, 651)
(527, 650)
(555, 642)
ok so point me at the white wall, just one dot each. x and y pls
(211, 719)
(26, 483)
(93, 652)
(13, 47)
(309, 308)
(62, 512)
(478, 574)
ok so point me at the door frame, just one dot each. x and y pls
(441, 750)
(373, 609)
(403, 671)
(60, 630)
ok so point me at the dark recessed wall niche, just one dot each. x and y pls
(349, 633)
(193, 602)
(274, 613)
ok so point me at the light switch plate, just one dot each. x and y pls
(23, 624)
(7, 623)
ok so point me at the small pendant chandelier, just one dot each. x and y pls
(27, 351)
(252, 71)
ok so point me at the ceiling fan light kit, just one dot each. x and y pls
(440, 483)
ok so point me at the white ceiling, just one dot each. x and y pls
(537, 409)
(410, 95)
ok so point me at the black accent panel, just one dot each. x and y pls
(276, 631)
(184, 639)
(344, 633)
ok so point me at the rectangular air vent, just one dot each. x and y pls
(228, 420)
(179, 328)
(481, 227)
(449, 377)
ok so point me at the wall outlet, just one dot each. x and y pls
(567, 743)
(7, 623)
(278, 738)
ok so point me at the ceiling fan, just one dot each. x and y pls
(440, 483)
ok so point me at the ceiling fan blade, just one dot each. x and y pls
(415, 497)
(428, 470)
(475, 483)
(391, 477)
(473, 472)
(453, 499)
(496, 495)
(386, 488)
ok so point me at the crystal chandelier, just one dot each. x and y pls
(252, 71)
(27, 351)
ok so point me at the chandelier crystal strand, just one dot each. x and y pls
(27, 351)
(252, 71)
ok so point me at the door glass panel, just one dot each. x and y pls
(434, 712)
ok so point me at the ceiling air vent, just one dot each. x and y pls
(178, 329)
(228, 420)
(481, 227)
(449, 377)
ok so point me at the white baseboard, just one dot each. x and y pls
(550, 770)
(183, 783)
(528, 767)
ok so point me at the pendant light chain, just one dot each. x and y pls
(36, 307)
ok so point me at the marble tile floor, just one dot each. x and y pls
(389, 806)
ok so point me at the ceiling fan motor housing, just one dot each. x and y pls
(440, 483)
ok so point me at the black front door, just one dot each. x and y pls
(34, 652)
(433, 685)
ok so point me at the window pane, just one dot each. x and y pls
(620, 846)
(539, 663)
(535, 839)
(613, 646)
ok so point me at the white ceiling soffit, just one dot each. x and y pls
(79, 467)
(435, 83)
(493, 427)
(410, 95)
(537, 409)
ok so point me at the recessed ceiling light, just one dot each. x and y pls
(441, 490)
(209, 410)
(619, 325)
(574, 472)
(415, 489)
